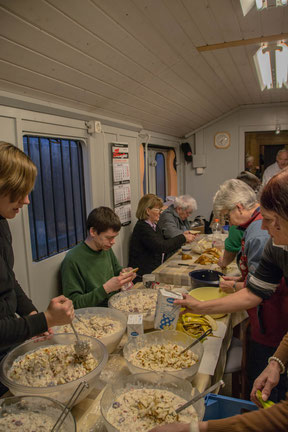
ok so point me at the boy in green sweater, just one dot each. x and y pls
(90, 271)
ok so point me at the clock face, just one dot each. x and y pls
(222, 140)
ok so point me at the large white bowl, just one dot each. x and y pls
(148, 317)
(110, 341)
(154, 380)
(63, 392)
(164, 337)
(36, 404)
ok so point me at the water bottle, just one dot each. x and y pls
(216, 234)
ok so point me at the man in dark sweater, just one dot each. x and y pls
(17, 177)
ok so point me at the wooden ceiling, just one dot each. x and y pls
(137, 60)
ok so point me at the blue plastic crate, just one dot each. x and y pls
(218, 407)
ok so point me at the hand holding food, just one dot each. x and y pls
(60, 311)
(226, 286)
(265, 382)
(116, 282)
(189, 237)
(189, 303)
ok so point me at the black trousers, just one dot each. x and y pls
(257, 362)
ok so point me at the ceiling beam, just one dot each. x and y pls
(278, 37)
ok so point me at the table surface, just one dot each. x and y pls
(87, 413)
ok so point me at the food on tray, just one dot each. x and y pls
(163, 357)
(209, 256)
(26, 422)
(95, 326)
(195, 325)
(186, 256)
(136, 302)
(139, 410)
(51, 366)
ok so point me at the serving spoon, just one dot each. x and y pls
(200, 396)
(209, 331)
(82, 347)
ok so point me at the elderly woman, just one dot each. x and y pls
(273, 266)
(268, 318)
(233, 241)
(148, 245)
(173, 221)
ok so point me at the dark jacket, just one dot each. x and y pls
(14, 330)
(147, 247)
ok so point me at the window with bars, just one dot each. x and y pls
(57, 212)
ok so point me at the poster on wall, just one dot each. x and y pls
(121, 182)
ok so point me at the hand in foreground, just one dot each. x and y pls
(189, 303)
(226, 286)
(266, 381)
(180, 427)
(172, 427)
(116, 282)
(59, 312)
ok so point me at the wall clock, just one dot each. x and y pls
(222, 140)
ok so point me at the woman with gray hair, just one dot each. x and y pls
(174, 220)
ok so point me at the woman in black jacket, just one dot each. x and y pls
(17, 177)
(148, 246)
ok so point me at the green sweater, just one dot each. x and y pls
(233, 241)
(83, 273)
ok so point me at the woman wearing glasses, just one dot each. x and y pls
(148, 245)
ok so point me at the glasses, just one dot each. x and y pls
(157, 210)
(226, 215)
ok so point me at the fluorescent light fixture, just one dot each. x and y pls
(247, 5)
(271, 62)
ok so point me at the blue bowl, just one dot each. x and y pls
(204, 277)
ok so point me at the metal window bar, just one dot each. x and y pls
(76, 200)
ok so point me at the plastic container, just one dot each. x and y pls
(153, 380)
(164, 337)
(63, 392)
(120, 302)
(110, 341)
(36, 404)
(205, 277)
(219, 407)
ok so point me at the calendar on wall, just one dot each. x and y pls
(121, 182)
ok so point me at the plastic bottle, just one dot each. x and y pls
(216, 234)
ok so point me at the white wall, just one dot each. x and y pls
(223, 164)
(40, 279)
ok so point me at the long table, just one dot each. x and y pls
(87, 413)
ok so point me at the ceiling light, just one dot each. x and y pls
(247, 5)
(271, 62)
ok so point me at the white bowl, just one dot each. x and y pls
(164, 337)
(111, 341)
(148, 316)
(153, 380)
(36, 404)
(62, 392)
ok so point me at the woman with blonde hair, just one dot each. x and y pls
(148, 246)
(17, 177)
